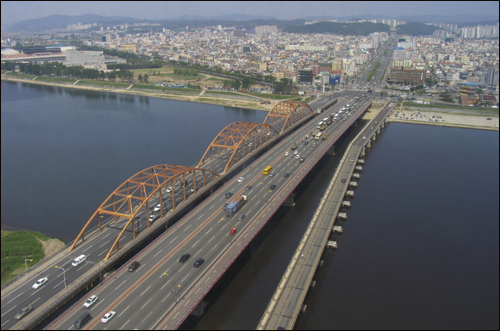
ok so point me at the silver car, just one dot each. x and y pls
(23, 312)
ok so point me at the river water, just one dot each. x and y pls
(419, 249)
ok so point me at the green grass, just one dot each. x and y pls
(370, 75)
(272, 96)
(17, 246)
(414, 104)
(19, 75)
(56, 79)
(222, 92)
(102, 83)
(179, 77)
(221, 81)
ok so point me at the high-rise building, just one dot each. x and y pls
(266, 29)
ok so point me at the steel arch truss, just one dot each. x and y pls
(242, 138)
(291, 111)
(136, 193)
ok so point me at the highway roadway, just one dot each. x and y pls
(204, 233)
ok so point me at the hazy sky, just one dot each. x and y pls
(15, 11)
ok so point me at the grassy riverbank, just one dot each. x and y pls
(20, 245)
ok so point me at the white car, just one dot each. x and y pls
(169, 189)
(90, 301)
(156, 208)
(296, 152)
(40, 282)
(240, 179)
(297, 156)
(364, 137)
(287, 153)
(107, 317)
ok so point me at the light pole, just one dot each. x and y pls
(64, 275)
(175, 292)
(26, 265)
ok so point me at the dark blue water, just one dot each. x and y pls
(64, 151)
(419, 249)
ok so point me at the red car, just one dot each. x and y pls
(343, 180)
(233, 231)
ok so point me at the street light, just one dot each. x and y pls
(26, 265)
(64, 275)
(175, 292)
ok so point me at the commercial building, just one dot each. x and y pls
(406, 76)
(305, 76)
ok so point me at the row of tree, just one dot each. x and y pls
(185, 72)
(56, 69)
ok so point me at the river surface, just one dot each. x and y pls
(420, 248)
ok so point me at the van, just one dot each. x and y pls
(228, 195)
(84, 319)
(79, 260)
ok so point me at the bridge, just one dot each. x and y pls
(188, 201)
(145, 203)
(287, 301)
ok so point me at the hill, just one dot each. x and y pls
(345, 29)
(416, 29)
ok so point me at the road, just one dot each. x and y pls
(204, 233)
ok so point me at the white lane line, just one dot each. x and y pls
(188, 227)
(183, 279)
(158, 253)
(199, 217)
(187, 302)
(213, 248)
(176, 314)
(15, 297)
(199, 288)
(121, 285)
(207, 280)
(124, 324)
(166, 297)
(9, 310)
(34, 301)
(105, 243)
(165, 284)
(86, 249)
(172, 240)
(198, 252)
(106, 236)
(102, 253)
(146, 317)
(182, 267)
(58, 284)
(195, 243)
(209, 231)
(211, 239)
(146, 303)
(145, 291)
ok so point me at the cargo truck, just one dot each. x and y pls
(236, 204)
(315, 132)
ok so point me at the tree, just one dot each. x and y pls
(446, 97)
(479, 91)
(139, 78)
(146, 76)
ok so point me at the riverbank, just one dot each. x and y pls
(202, 97)
(20, 245)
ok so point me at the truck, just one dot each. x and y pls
(235, 204)
(318, 136)
(329, 121)
(294, 146)
(315, 132)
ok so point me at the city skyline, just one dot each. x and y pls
(17, 11)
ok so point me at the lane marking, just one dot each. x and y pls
(158, 252)
(8, 310)
(145, 291)
(146, 303)
(86, 249)
(15, 297)
(120, 284)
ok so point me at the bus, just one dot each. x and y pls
(318, 136)
(268, 170)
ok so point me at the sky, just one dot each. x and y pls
(15, 11)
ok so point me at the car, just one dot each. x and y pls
(372, 128)
(184, 258)
(157, 208)
(286, 174)
(296, 152)
(90, 301)
(271, 174)
(233, 231)
(287, 153)
(169, 189)
(241, 217)
(248, 188)
(240, 179)
(302, 159)
(40, 282)
(272, 187)
(364, 137)
(297, 156)
(134, 266)
(23, 312)
(108, 316)
(191, 190)
(352, 159)
(306, 143)
(228, 195)
(488, 119)
(343, 180)
(314, 145)
(198, 263)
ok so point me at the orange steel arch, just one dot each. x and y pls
(293, 111)
(128, 199)
(233, 137)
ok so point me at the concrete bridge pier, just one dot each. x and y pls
(383, 124)
(369, 144)
(374, 136)
(378, 131)
(199, 310)
(289, 201)
(363, 152)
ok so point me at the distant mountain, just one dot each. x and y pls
(416, 29)
(232, 17)
(357, 29)
(414, 18)
(62, 21)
